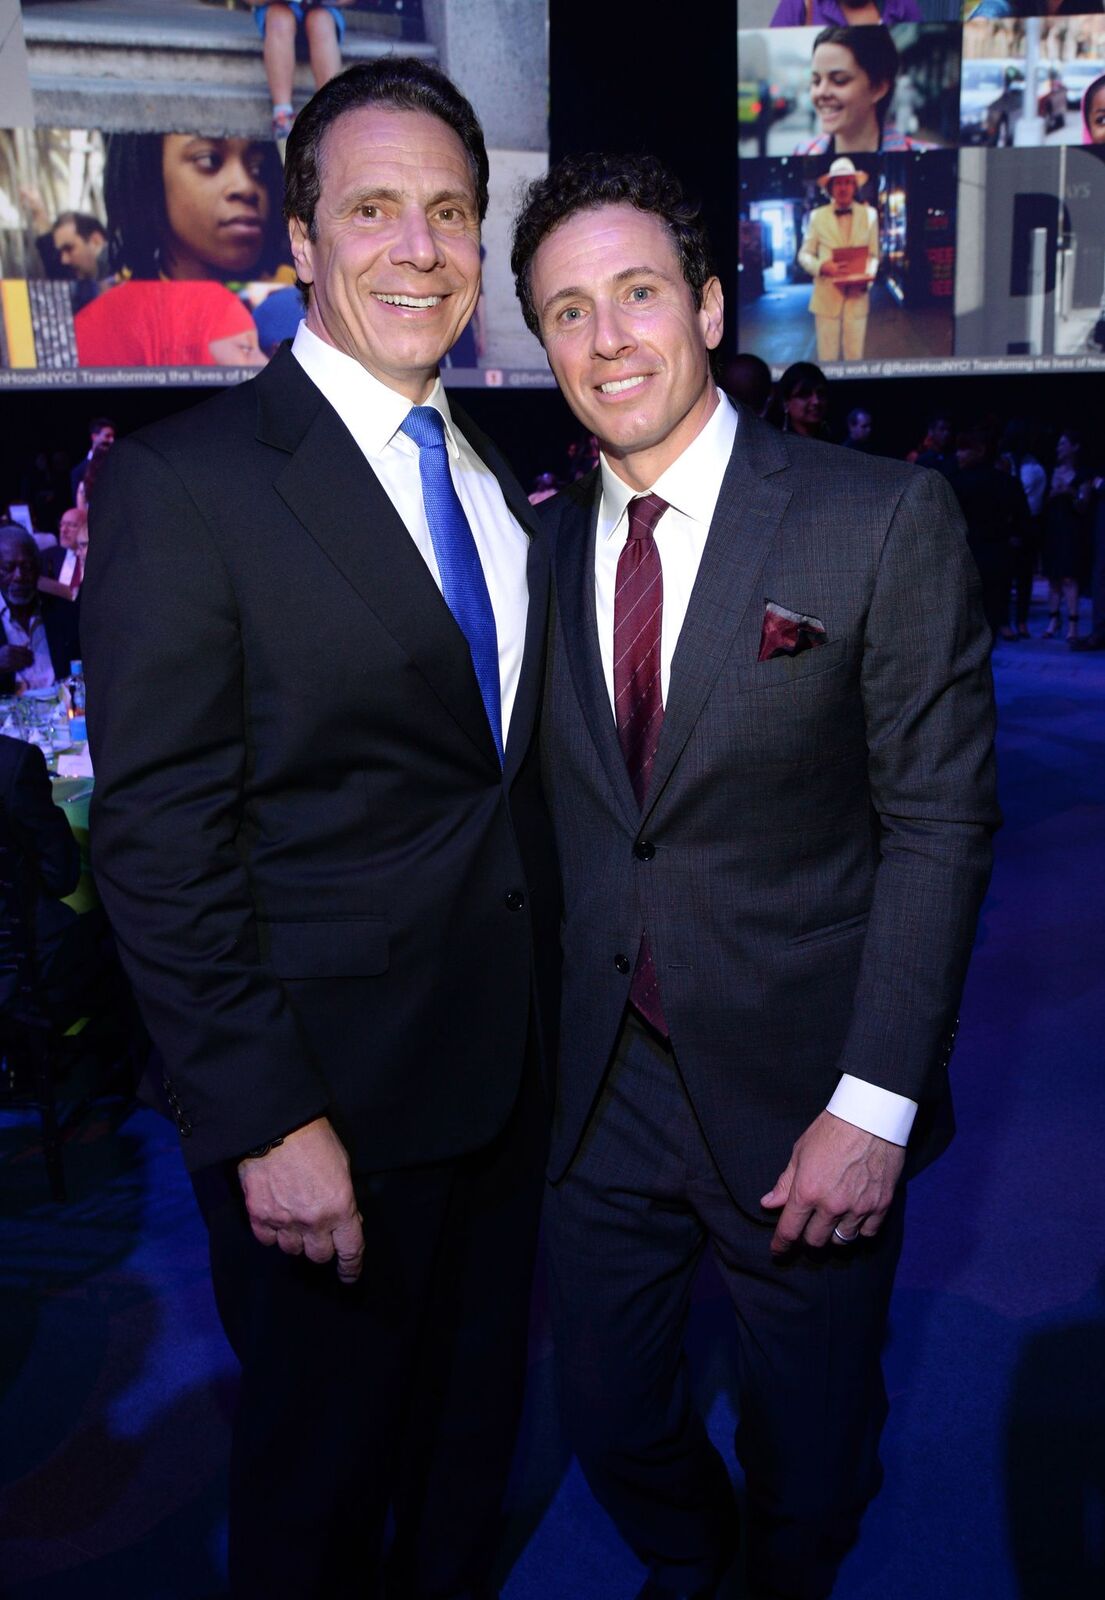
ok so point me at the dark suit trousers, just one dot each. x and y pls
(626, 1228)
(402, 1391)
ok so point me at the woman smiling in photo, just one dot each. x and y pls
(852, 76)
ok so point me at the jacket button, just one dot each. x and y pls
(644, 849)
(184, 1128)
(515, 900)
(621, 964)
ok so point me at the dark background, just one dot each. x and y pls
(619, 81)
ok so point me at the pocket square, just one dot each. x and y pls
(788, 633)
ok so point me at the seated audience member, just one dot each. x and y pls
(101, 436)
(544, 487)
(747, 378)
(324, 27)
(64, 563)
(73, 953)
(859, 427)
(40, 632)
(800, 401)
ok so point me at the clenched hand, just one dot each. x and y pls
(300, 1197)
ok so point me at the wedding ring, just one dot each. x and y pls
(846, 1238)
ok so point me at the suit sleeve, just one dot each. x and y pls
(39, 826)
(929, 711)
(168, 730)
(809, 252)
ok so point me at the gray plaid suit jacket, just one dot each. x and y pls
(815, 845)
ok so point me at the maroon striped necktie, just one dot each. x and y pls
(638, 703)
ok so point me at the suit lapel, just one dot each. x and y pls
(746, 519)
(575, 581)
(332, 491)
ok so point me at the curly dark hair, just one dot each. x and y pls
(400, 82)
(581, 183)
(875, 53)
(138, 229)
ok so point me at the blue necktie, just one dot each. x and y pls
(462, 581)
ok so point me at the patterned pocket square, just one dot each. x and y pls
(788, 633)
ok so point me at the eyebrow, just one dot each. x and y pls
(575, 293)
(397, 196)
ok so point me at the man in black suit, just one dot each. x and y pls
(772, 786)
(319, 830)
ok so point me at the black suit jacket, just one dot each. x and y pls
(815, 842)
(328, 895)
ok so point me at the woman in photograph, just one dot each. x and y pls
(852, 76)
(1093, 113)
(814, 13)
(185, 206)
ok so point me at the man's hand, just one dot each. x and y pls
(838, 1176)
(300, 1197)
(14, 657)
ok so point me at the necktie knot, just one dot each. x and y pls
(425, 426)
(644, 513)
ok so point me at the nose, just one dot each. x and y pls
(611, 332)
(242, 184)
(416, 243)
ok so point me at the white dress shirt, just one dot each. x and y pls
(691, 486)
(40, 674)
(373, 413)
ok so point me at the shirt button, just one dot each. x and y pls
(621, 964)
(515, 900)
(644, 849)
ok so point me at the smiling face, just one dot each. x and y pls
(806, 409)
(19, 571)
(843, 190)
(845, 98)
(217, 206)
(394, 266)
(625, 340)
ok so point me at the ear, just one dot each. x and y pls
(301, 250)
(711, 315)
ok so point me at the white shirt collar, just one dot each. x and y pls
(370, 409)
(693, 481)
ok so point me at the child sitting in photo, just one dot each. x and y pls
(324, 28)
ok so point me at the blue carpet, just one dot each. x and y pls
(117, 1385)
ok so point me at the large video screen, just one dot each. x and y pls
(922, 185)
(141, 185)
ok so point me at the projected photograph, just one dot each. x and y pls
(813, 91)
(799, 13)
(1062, 56)
(855, 271)
(141, 235)
(1030, 282)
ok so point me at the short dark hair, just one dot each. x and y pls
(400, 82)
(98, 424)
(857, 412)
(584, 182)
(875, 53)
(138, 218)
(83, 221)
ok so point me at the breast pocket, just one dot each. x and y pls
(784, 670)
(346, 949)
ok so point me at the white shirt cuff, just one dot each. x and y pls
(878, 1111)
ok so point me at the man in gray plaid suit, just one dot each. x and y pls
(768, 740)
